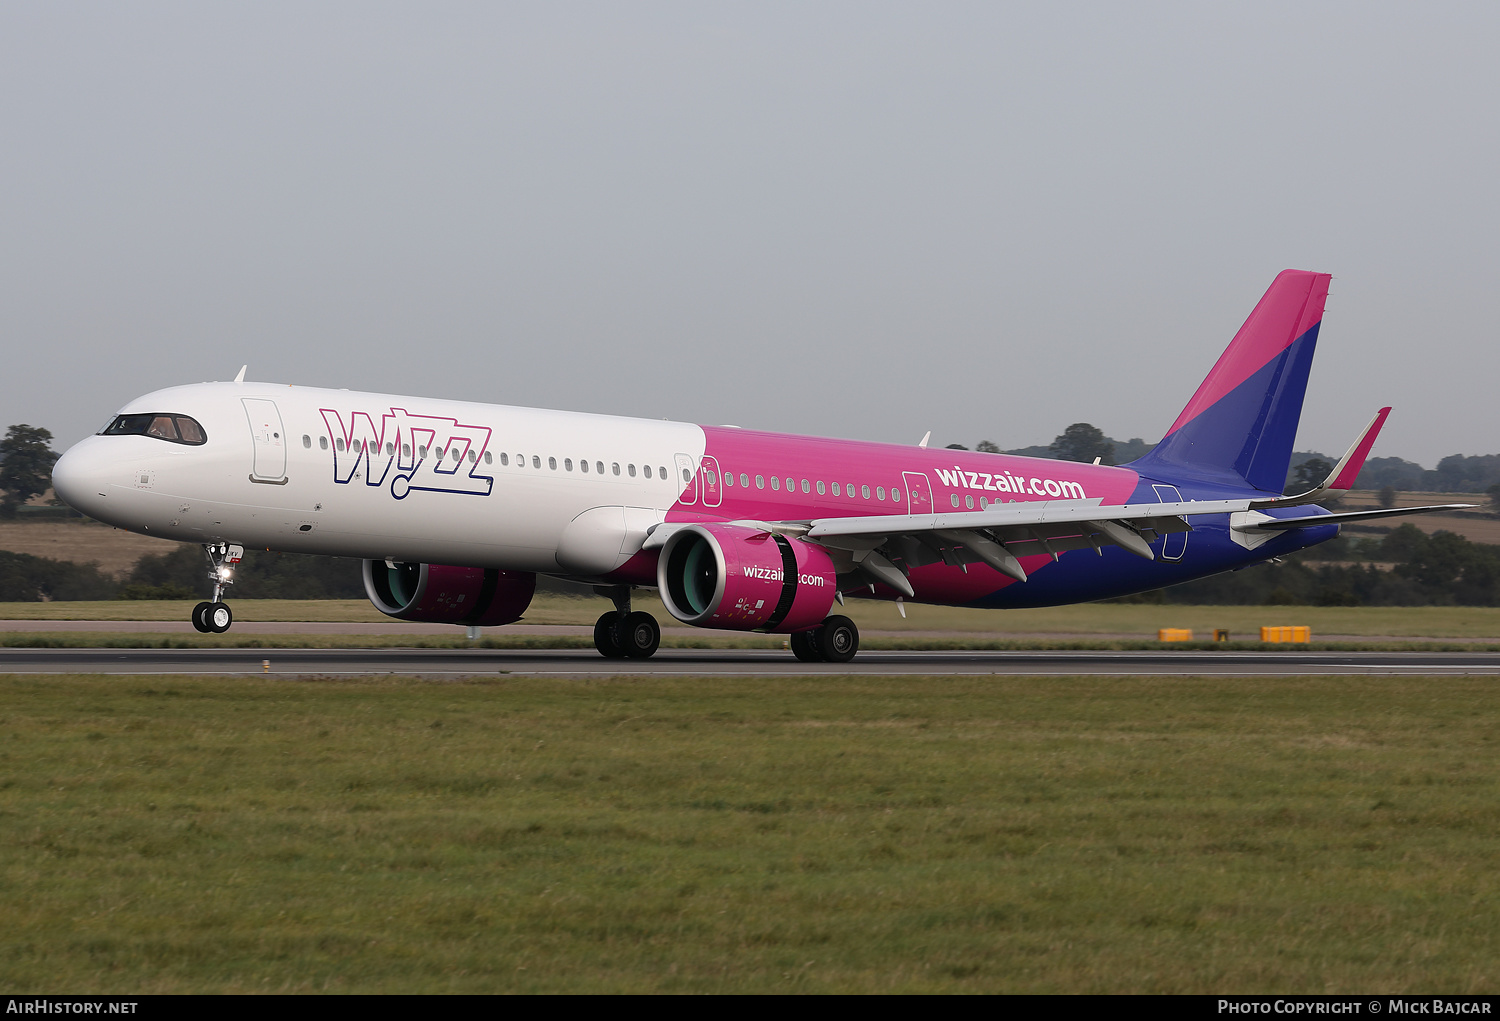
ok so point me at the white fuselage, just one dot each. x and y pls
(343, 473)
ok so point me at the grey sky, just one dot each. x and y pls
(855, 219)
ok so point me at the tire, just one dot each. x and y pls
(639, 635)
(805, 646)
(200, 617)
(605, 639)
(218, 617)
(838, 639)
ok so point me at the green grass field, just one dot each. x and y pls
(174, 834)
(1082, 619)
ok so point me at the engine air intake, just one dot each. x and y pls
(745, 579)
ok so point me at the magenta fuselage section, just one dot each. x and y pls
(776, 477)
(748, 475)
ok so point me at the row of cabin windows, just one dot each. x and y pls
(807, 486)
(823, 489)
(489, 458)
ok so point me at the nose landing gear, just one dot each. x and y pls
(215, 617)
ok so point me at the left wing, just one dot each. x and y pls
(1000, 534)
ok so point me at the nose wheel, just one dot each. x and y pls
(212, 618)
(215, 616)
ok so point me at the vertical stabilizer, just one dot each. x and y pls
(1241, 424)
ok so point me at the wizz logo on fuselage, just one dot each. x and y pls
(408, 452)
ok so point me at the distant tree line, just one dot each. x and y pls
(1437, 570)
(1414, 569)
(1457, 473)
(181, 573)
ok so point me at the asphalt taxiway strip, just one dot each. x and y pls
(724, 662)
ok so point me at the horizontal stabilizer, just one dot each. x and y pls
(1278, 524)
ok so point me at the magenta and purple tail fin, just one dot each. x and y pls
(1241, 424)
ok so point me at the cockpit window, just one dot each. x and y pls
(175, 428)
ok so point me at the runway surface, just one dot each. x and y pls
(402, 627)
(725, 662)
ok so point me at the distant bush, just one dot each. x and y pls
(156, 592)
(261, 575)
(28, 579)
(1442, 569)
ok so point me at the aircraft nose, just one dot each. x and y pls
(81, 476)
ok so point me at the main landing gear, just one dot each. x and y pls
(836, 640)
(621, 634)
(215, 616)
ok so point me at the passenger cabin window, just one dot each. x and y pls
(583, 466)
(567, 463)
(616, 467)
(646, 470)
(599, 467)
(776, 483)
(630, 469)
(552, 463)
(323, 443)
(821, 490)
(835, 489)
(306, 441)
(536, 460)
(172, 428)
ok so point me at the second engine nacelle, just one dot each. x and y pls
(745, 579)
(439, 594)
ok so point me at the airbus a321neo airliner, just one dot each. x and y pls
(455, 508)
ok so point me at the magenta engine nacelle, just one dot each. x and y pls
(745, 579)
(440, 594)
